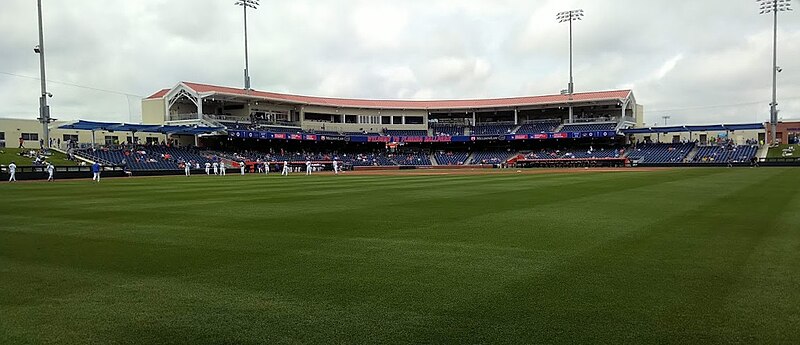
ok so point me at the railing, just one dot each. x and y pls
(182, 117)
(227, 118)
(501, 123)
(596, 120)
(212, 121)
(531, 122)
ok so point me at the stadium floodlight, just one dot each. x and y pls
(773, 7)
(44, 109)
(563, 17)
(254, 5)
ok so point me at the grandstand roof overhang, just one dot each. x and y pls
(705, 128)
(126, 127)
(205, 91)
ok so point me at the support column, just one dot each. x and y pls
(200, 109)
(571, 115)
(473, 119)
(516, 116)
(624, 108)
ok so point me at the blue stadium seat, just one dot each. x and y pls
(589, 127)
(661, 153)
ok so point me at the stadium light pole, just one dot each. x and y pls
(666, 118)
(562, 17)
(44, 109)
(773, 7)
(254, 5)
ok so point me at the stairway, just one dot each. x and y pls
(692, 154)
(762, 152)
(432, 157)
(470, 158)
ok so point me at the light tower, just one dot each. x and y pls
(773, 7)
(44, 109)
(254, 5)
(562, 17)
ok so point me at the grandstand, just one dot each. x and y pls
(493, 129)
(589, 127)
(210, 105)
(491, 157)
(726, 154)
(447, 130)
(407, 133)
(144, 158)
(199, 122)
(538, 127)
(450, 158)
(661, 153)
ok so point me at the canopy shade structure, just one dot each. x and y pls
(134, 128)
(91, 126)
(704, 128)
(126, 127)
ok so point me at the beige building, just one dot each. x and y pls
(30, 130)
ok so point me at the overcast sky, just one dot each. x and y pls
(698, 61)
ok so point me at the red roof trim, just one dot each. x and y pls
(159, 94)
(413, 104)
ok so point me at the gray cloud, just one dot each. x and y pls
(698, 61)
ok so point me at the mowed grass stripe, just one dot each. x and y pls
(592, 257)
(588, 273)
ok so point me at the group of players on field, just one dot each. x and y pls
(219, 168)
(50, 169)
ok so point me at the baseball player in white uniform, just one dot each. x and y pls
(208, 168)
(308, 167)
(215, 165)
(12, 170)
(285, 171)
(241, 167)
(187, 168)
(50, 170)
(222, 168)
(335, 167)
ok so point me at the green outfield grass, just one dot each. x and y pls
(777, 152)
(8, 155)
(672, 256)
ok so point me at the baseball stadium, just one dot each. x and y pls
(230, 215)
